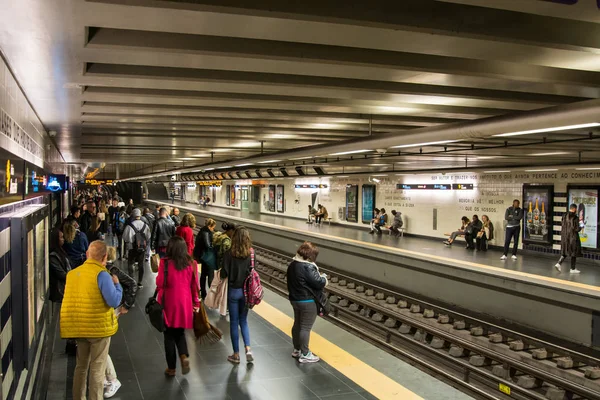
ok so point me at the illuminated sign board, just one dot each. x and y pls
(462, 186)
(313, 186)
(97, 182)
(428, 186)
(210, 183)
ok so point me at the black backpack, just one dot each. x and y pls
(139, 239)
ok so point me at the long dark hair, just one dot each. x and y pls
(241, 243)
(54, 244)
(178, 252)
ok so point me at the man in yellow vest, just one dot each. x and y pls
(87, 314)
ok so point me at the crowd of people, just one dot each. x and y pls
(91, 292)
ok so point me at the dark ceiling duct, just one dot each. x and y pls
(257, 172)
(300, 171)
(319, 170)
(239, 175)
(248, 174)
(270, 172)
(283, 172)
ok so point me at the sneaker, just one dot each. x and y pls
(106, 383)
(249, 357)
(140, 286)
(503, 258)
(111, 389)
(447, 243)
(308, 358)
(233, 359)
(557, 266)
(514, 257)
(575, 271)
(296, 353)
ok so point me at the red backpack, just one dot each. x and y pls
(253, 291)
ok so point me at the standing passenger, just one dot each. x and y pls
(164, 230)
(304, 283)
(137, 237)
(204, 253)
(179, 297)
(76, 244)
(186, 231)
(513, 216)
(237, 263)
(570, 243)
(175, 217)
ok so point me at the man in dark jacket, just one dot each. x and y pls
(164, 230)
(75, 215)
(175, 217)
(471, 231)
(396, 223)
(85, 221)
(513, 217)
(570, 243)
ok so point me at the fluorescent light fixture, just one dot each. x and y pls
(243, 165)
(587, 169)
(378, 165)
(208, 169)
(343, 176)
(487, 157)
(380, 175)
(424, 144)
(350, 152)
(542, 170)
(301, 158)
(554, 153)
(186, 159)
(376, 180)
(495, 172)
(227, 166)
(402, 174)
(268, 162)
(556, 128)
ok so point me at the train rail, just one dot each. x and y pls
(484, 360)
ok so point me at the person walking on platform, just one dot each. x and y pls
(237, 263)
(88, 315)
(570, 242)
(305, 283)
(177, 292)
(164, 230)
(136, 237)
(204, 253)
(513, 217)
(186, 231)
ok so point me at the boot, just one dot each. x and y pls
(170, 372)
(185, 364)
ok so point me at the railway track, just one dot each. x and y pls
(484, 360)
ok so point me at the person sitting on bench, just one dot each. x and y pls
(321, 214)
(396, 223)
(382, 221)
(311, 213)
(375, 220)
(459, 232)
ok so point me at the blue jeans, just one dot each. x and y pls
(238, 315)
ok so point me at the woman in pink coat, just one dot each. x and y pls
(178, 294)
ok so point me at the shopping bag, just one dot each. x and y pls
(154, 262)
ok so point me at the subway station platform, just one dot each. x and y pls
(527, 262)
(528, 294)
(350, 369)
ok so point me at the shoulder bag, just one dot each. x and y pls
(154, 309)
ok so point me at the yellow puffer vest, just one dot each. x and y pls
(84, 313)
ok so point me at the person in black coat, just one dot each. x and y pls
(205, 254)
(305, 285)
(471, 231)
(570, 243)
(58, 266)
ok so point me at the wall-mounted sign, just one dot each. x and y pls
(462, 186)
(191, 186)
(586, 200)
(428, 186)
(537, 206)
(210, 183)
(312, 186)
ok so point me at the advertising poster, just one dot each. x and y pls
(280, 198)
(537, 214)
(271, 203)
(227, 195)
(232, 197)
(352, 203)
(31, 285)
(587, 211)
(368, 202)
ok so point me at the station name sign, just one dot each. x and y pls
(435, 186)
(313, 186)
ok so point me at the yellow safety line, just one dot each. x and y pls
(367, 377)
(413, 253)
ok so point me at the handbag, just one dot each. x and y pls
(154, 262)
(322, 301)
(211, 297)
(155, 310)
(480, 234)
(203, 329)
(209, 259)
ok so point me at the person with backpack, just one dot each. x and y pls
(222, 241)
(164, 230)
(136, 236)
(237, 267)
